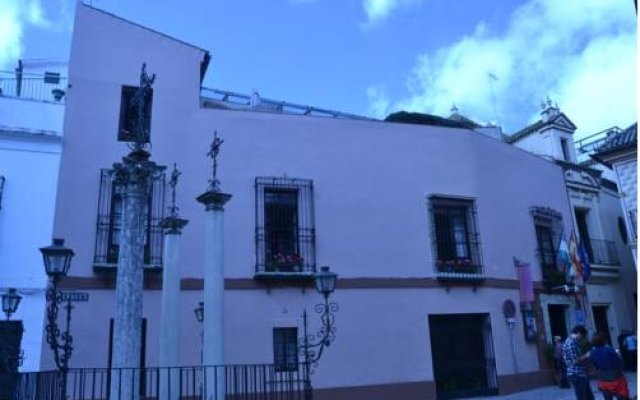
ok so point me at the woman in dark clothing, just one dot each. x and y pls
(608, 364)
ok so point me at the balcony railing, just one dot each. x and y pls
(602, 252)
(247, 382)
(460, 271)
(47, 87)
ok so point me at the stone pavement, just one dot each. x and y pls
(555, 393)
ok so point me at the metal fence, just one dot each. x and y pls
(47, 87)
(230, 382)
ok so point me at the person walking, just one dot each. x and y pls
(631, 344)
(611, 380)
(561, 369)
(576, 371)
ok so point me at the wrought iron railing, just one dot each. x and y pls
(109, 222)
(246, 382)
(47, 87)
(602, 252)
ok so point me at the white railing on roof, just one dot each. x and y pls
(256, 102)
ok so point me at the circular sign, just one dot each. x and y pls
(509, 308)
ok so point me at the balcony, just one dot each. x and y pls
(604, 260)
(216, 383)
(461, 271)
(49, 87)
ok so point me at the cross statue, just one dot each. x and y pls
(213, 154)
(173, 182)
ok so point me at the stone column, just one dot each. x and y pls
(170, 321)
(133, 177)
(213, 351)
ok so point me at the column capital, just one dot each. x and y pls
(135, 169)
(173, 225)
(214, 199)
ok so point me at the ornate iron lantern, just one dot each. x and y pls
(10, 302)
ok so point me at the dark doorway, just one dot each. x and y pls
(601, 321)
(462, 355)
(557, 320)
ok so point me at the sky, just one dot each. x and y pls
(496, 60)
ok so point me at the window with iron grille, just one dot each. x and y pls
(285, 229)
(109, 223)
(548, 225)
(454, 233)
(127, 114)
(285, 349)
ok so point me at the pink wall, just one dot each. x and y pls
(371, 184)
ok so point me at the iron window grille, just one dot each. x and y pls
(285, 227)
(548, 228)
(285, 349)
(109, 221)
(455, 238)
(126, 125)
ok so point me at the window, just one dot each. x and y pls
(285, 349)
(285, 234)
(127, 114)
(454, 235)
(109, 223)
(546, 248)
(548, 225)
(565, 149)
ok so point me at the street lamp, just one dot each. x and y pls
(199, 311)
(313, 345)
(57, 260)
(10, 302)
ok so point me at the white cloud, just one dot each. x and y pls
(15, 16)
(378, 101)
(582, 53)
(378, 10)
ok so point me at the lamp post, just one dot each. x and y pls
(313, 345)
(57, 260)
(11, 356)
(10, 302)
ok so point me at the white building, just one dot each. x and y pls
(599, 222)
(30, 145)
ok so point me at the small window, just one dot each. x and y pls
(565, 149)
(128, 114)
(455, 236)
(52, 77)
(285, 349)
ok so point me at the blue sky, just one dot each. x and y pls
(373, 57)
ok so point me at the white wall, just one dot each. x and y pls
(30, 146)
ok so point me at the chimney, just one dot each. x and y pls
(255, 99)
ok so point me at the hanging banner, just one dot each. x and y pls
(526, 281)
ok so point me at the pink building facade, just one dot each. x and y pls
(421, 222)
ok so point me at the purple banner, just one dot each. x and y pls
(526, 282)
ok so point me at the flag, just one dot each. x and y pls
(491, 75)
(563, 261)
(584, 261)
(576, 267)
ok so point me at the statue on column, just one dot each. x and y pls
(140, 108)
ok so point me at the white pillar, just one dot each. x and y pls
(213, 351)
(170, 321)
